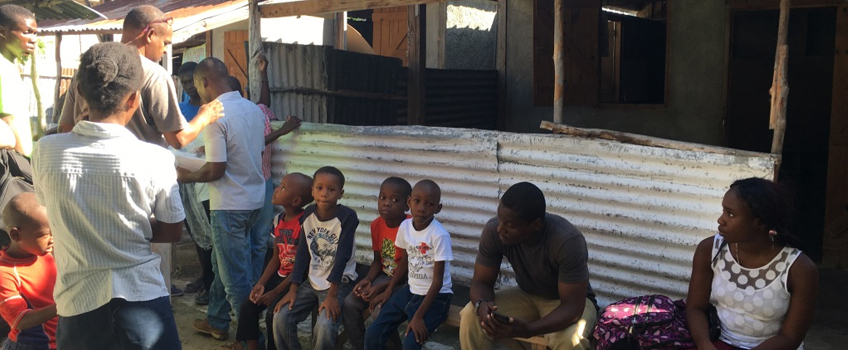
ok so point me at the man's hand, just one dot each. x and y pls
(267, 298)
(256, 293)
(496, 329)
(417, 327)
(291, 123)
(210, 112)
(485, 308)
(332, 307)
(288, 299)
(262, 63)
(375, 290)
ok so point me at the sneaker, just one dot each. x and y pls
(194, 287)
(176, 292)
(203, 326)
(202, 298)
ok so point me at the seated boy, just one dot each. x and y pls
(392, 205)
(325, 257)
(27, 276)
(294, 192)
(425, 300)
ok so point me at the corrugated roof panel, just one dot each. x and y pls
(642, 209)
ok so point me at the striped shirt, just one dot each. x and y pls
(101, 185)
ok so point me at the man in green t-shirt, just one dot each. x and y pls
(17, 40)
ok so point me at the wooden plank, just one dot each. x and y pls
(417, 53)
(312, 7)
(503, 105)
(234, 55)
(775, 4)
(559, 61)
(340, 32)
(836, 201)
(56, 108)
(254, 49)
(780, 87)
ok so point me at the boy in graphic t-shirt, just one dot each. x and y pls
(425, 300)
(294, 192)
(392, 205)
(324, 269)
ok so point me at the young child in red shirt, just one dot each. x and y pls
(27, 276)
(294, 192)
(392, 205)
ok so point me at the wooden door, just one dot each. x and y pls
(836, 211)
(235, 57)
(390, 28)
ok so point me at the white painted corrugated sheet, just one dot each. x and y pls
(297, 66)
(642, 209)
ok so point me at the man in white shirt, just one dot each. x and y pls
(233, 170)
(108, 196)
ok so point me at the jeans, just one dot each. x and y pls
(248, 322)
(231, 264)
(402, 307)
(354, 323)
(260, 233)
(122, 325)
(325, 331)
(9, 344)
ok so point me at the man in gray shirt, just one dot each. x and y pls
(549, 257)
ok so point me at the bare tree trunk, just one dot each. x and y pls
(42, 123)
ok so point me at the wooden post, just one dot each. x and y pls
(503, 106)
(57, 109)
(254, 49)
(341, 31)
(417, 59)
(559, 60)
(780, 87)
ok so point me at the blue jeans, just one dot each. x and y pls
(325, 331)
(399, 308)
(260, 233)
(123, 325)
(231, 264)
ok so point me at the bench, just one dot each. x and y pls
(536, 343)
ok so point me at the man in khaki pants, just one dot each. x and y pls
(549, 257)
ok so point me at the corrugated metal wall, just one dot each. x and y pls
(456, 98)
(642, 209)
(297, 66)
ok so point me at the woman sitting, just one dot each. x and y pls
(763, 288)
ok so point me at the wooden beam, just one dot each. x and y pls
(559, 60)
(56, 107)
(340, 23)
(313, 7)
(254, 48)
(780, 87)
(503, 106)
(417, 59)
(775, 4)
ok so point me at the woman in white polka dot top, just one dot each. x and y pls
(763, 288)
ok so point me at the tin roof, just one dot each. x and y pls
(56, 9)
(190, 17)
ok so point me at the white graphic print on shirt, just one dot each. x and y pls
(323, 246)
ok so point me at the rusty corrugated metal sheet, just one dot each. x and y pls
(190, 16)
(297, 66)
(642, 209)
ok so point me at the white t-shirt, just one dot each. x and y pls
(423, 249)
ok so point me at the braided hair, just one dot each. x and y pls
(769, 204)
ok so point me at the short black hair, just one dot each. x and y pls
(331, 171)
(187, 68)
(769, 203)
(211, 67)
(12, 15)
(108, 72)
(235, 84)
(402, 184)
(526, 199)
(141, 16)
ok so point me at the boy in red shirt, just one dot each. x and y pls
(27, 276)
(294, 192)
(392, 205)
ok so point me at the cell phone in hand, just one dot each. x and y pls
(501, 318)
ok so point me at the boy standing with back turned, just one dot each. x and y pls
(425, 300)
(324, 253)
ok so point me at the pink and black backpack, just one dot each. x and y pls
(645, 322)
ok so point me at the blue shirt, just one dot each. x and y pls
(188, 110)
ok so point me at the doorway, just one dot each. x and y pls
(803, 170)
